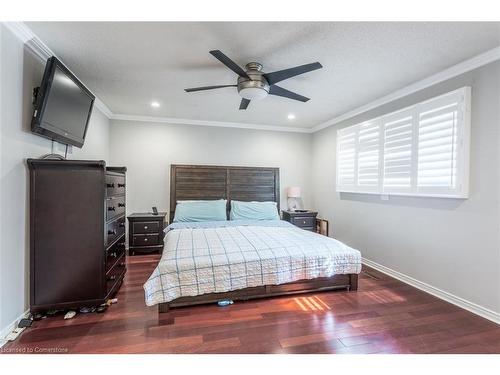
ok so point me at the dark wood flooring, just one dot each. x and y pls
(383, 316)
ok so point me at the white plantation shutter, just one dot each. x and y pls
(347, 158)
(398, 153)
(369, 151)
(440, 144)
(422, 150)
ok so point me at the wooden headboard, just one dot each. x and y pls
(206, 182)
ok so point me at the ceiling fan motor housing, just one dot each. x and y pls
(255, 88)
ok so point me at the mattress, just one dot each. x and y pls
(213, 257)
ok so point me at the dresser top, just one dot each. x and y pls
(147, 215)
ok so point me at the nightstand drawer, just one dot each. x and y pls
(144, 227)
(145, 240)
(304, 221)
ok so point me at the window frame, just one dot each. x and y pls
(463, 129)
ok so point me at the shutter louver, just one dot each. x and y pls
(398, 139)
(369, 154)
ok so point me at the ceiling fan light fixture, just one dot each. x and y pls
(253, 93)
(254, 84)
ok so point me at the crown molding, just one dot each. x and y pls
(103, 108)
(222, 124)
(20, 30)
(453, 71)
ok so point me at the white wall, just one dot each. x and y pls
(148, 149)
(20, 71)
(450, 244)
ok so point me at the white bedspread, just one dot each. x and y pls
(213, 257)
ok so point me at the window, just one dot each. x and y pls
(422, 150)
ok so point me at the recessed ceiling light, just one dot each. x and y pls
(155, 104)
(291, 116)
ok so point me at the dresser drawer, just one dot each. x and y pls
(114, 253)
(115, 275)
(115, 185)
(145, 240)
(114, 230)
(304, 221)
(144, 227)
(115, 207)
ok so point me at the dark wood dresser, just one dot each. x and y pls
(77, 233)
(304, 220)
(145, 232)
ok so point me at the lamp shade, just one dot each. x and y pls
(293, 192)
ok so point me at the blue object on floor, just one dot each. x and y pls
(225, 302)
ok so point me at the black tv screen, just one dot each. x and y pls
(63, 106)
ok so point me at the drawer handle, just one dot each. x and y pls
(121, 185)
(303, 221)
(122, 264)
(111, 208)
(110, 185)
(145, 240)
(112, 255)
(112, 277)
(112, 231)
(145, 227)
(122, 225)
(121, 204)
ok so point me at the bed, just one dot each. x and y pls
(204, 262)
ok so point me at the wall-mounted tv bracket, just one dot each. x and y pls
(34, 95)
(34, 99)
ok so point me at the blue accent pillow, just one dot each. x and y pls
(187, 211)
(253, 211)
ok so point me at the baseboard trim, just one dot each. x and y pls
(9, 328)
(436, 292)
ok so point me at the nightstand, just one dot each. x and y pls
(145, 232)
(304, 220)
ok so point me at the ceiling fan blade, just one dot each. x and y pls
(207, 88)
(244, 103)
(280, 91)
(281, 75)
(229, 63)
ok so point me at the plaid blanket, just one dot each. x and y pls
(214, 257)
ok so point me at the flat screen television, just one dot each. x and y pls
(63, 106)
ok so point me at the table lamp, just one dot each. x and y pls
(294, 200)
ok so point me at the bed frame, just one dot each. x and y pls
(198, 182)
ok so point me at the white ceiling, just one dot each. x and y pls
(129, 64)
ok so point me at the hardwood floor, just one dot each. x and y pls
(383, 316)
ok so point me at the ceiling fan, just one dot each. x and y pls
(254, 84)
